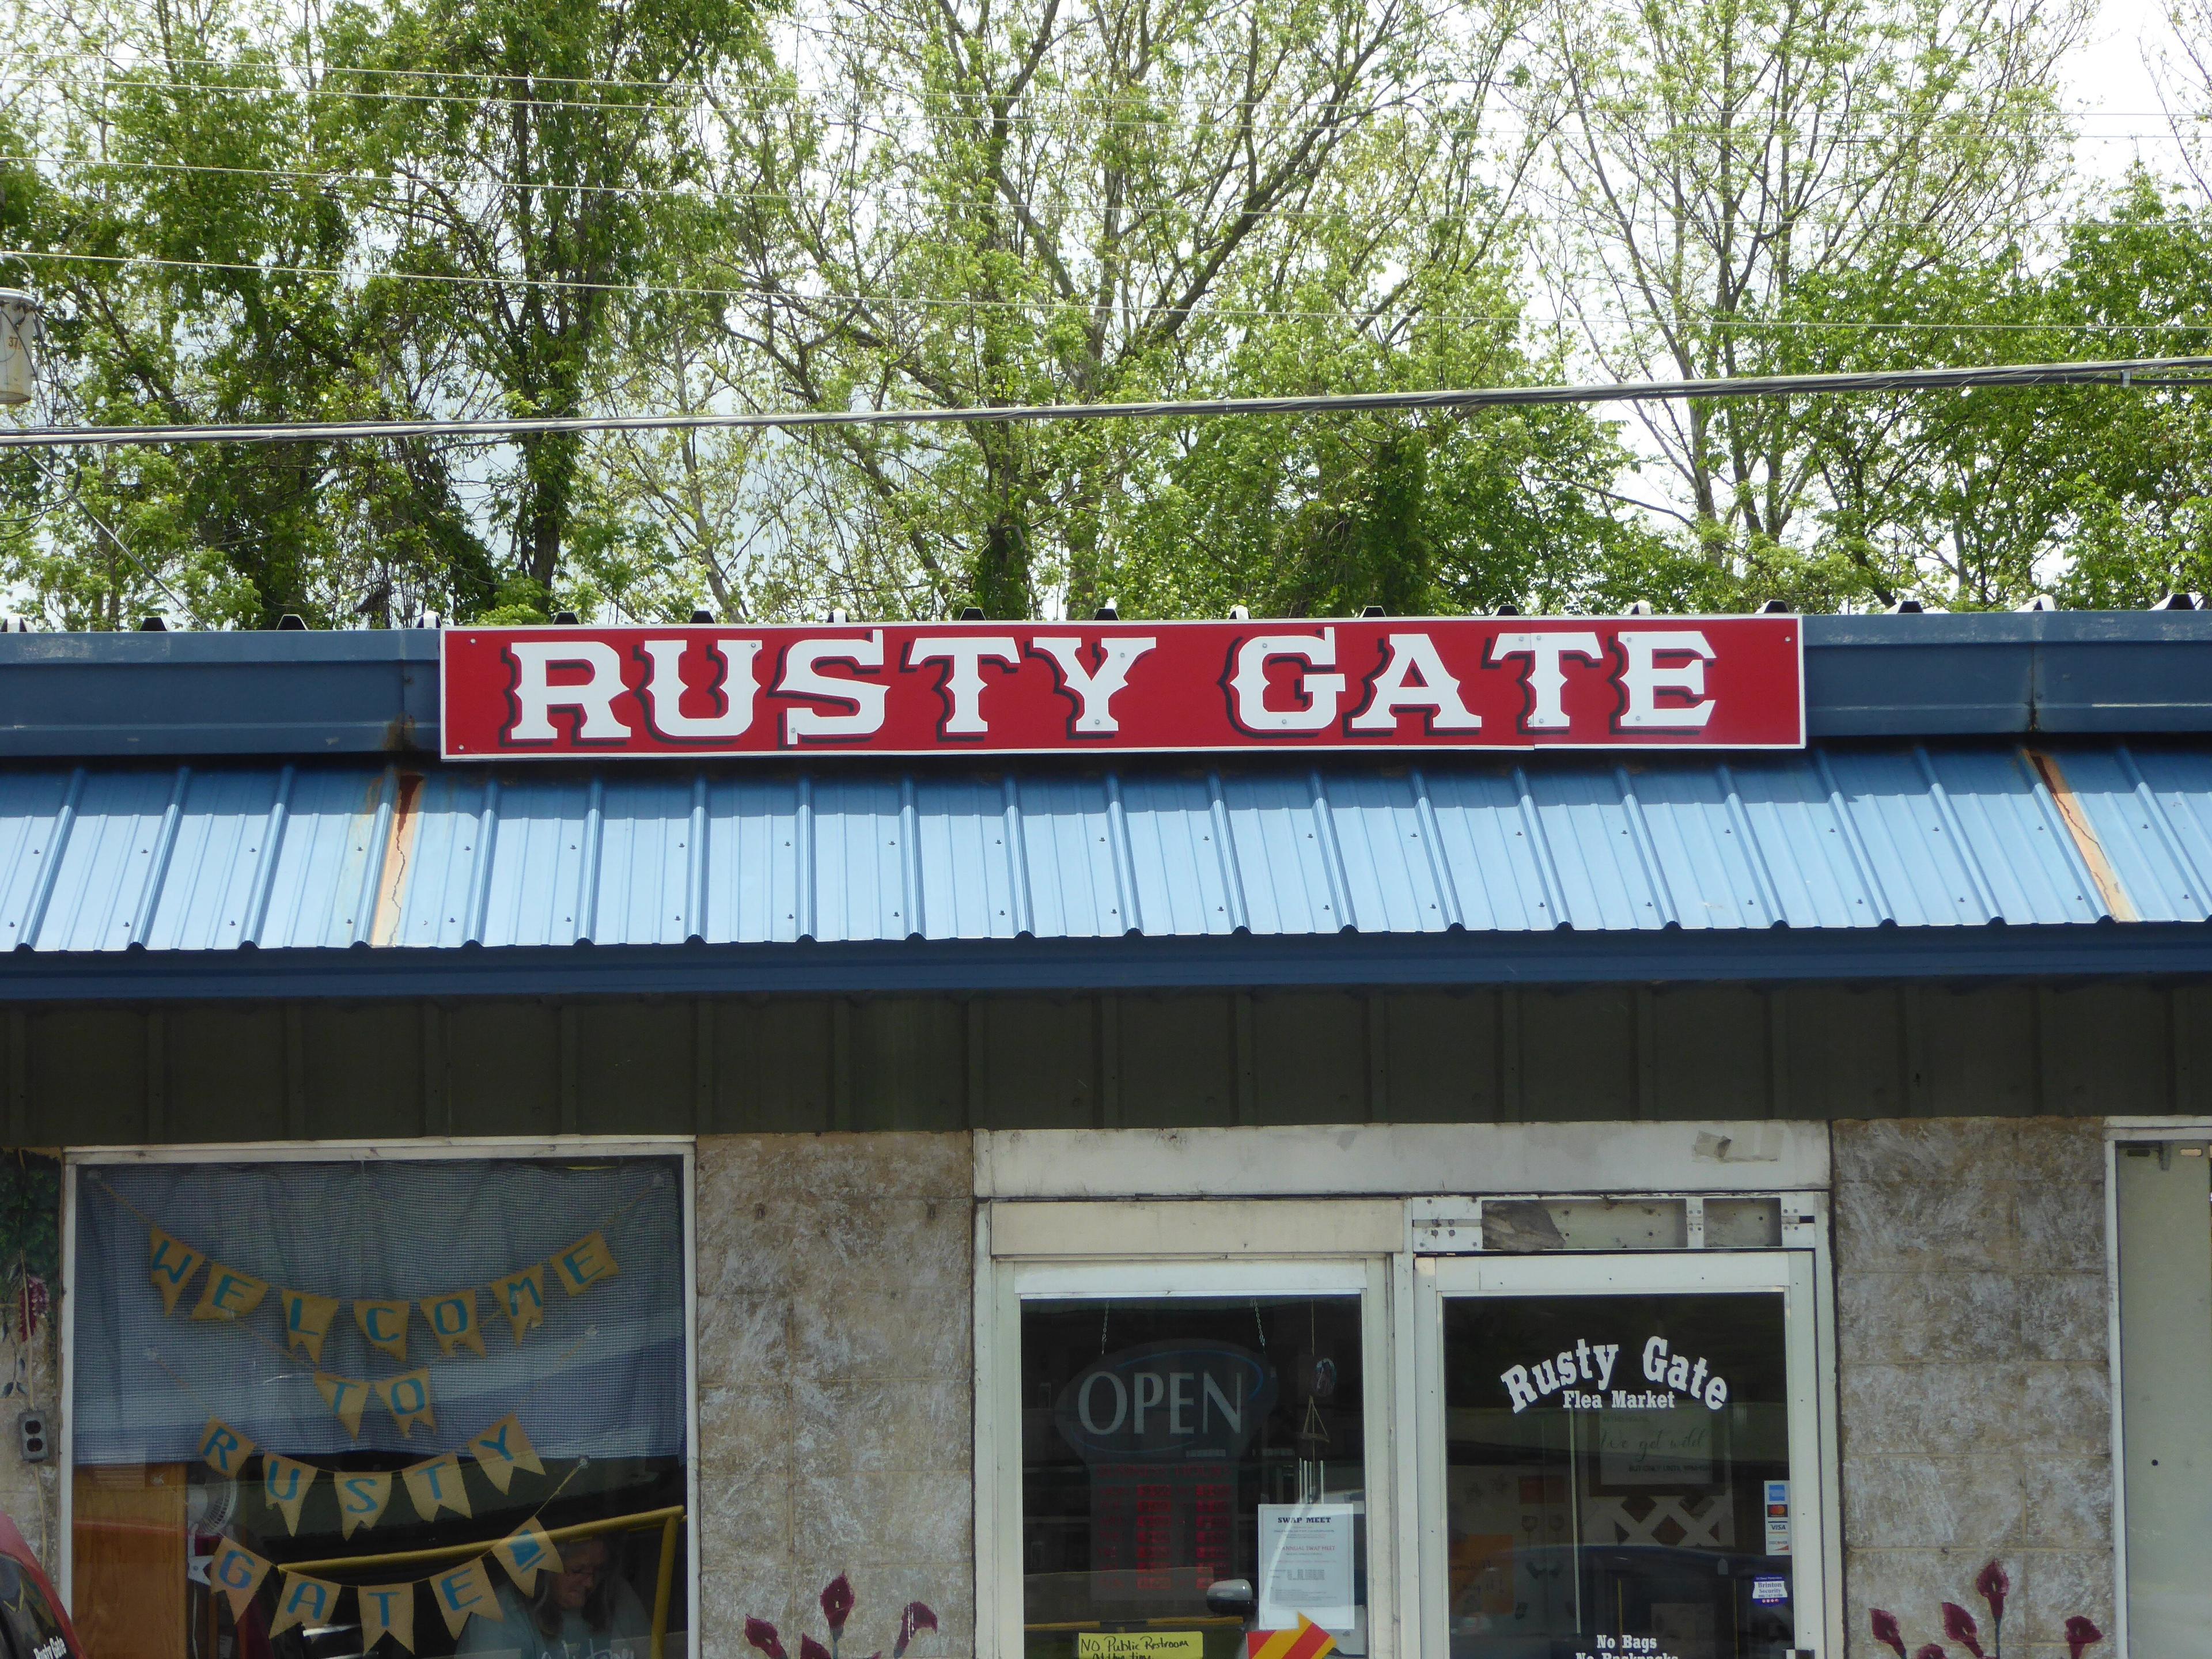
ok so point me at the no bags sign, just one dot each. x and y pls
(1125, 688)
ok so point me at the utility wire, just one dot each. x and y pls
(1129, 307)
(2135, 372)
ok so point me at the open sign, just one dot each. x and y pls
(1165, 1400)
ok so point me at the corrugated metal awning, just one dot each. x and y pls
(1489, 863)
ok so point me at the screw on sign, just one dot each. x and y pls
(1127, 687)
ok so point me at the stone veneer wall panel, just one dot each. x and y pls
(1975, 1388)
(836, 1381)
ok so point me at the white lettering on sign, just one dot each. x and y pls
(963, 686)
(1547, 676)
(1182, 1391)
(1415, 677)
(1646, 678)
(1320, 691)
(664, 691)
(592, 698)
(801, 679)
(1093, 689)
(1585, 1362)
(1675, 1372)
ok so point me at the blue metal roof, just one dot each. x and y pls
(414, 863)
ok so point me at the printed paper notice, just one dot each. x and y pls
(1139, 1644)
(1306, 1565)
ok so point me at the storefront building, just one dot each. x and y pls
(706, 1179)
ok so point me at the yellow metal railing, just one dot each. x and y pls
(667, 1520)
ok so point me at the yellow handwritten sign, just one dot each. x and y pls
(1139, 1644)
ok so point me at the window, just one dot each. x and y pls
(317, 1402)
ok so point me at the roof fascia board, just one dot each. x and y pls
(90, 696)
(2143, 949)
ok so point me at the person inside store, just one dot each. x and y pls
(585, 1611)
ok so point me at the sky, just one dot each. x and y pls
(2109, 83)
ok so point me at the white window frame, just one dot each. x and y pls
(445, 1149)
(2118, 1131)
(1673, 1272)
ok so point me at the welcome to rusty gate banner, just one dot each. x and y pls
(1508, 683)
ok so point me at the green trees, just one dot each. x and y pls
(241, 212)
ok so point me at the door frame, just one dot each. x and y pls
(1790, 1272)
(1005, 1284)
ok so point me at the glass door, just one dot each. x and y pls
(1200, 1449)
(1621, 1457)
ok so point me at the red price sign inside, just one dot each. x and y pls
(1125, 688)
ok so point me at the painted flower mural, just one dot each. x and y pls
(837, 1603)
(1993, 1585)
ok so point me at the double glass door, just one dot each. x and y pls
(1569, 1456)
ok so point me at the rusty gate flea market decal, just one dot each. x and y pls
(1128, 688)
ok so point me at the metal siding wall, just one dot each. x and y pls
(331, 1071)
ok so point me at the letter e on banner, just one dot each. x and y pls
(584, 1264)
(228, 1294)
(464, 1594)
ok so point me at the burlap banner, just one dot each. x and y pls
(454, 1318)
(434, 1485)
(461, 1591)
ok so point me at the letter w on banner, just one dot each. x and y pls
(170, 1265)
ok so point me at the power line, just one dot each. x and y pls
(2162, 372)
(953, 302)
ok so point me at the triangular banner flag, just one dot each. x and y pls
(307, 1320)
(237, 1571)
(386, 1610)
(384, 1325)
(170, 1265)
(464, 1594)
(285, 1484)
(521, 1298)
(585, 1263)
(228, 1293)
(500, 1449)
(526, 1553)
(453, 1320)
(407, 1397)
(346, 1397)
(361, 1499)
(435, 1485)
(223, 1448)
(303, 1600)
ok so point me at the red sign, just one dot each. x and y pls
(1125, 688)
